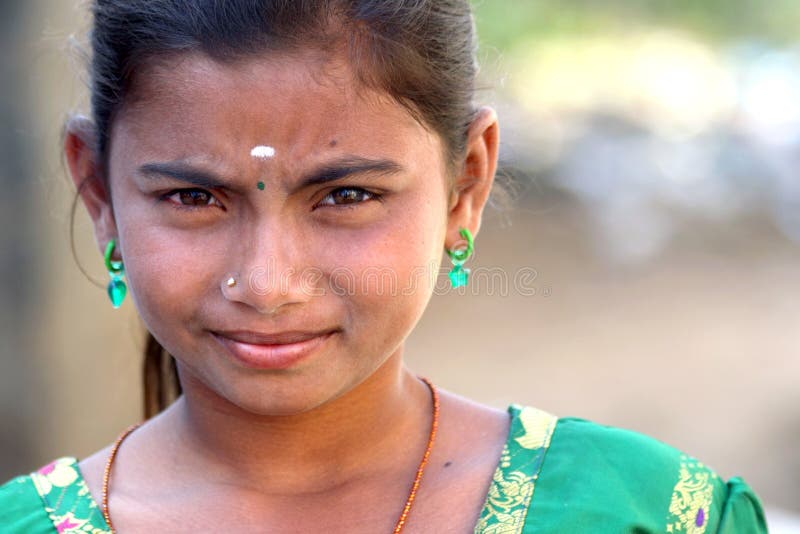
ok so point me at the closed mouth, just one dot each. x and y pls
(278, 351)
(279, 338)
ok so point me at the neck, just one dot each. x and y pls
(346, 439)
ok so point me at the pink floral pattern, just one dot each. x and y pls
(67, 499)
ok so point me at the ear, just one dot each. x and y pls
(86, 172)
(472, 187)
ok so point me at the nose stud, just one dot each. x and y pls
(245, 293)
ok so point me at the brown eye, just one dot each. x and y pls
(191, 198)
(348, 195)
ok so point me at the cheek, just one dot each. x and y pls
(168, 273)
(388, 272)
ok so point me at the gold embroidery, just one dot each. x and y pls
(512, 487)
(67, 499)
(56, 475)
(537, 428)
(691, 498)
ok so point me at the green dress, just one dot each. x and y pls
(555, 475)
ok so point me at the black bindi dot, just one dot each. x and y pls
(334, 143)
(448, 464)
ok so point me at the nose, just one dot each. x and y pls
(272, 275)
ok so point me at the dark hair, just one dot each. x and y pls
(421, 52)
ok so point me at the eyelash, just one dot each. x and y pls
(179, 205)
(359, 190)
(212, 198)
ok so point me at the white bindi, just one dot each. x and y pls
(263, 152)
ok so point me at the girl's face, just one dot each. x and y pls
(327, 202)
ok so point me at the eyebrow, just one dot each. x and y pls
(183, 172)
(329, 172)
(350, 166)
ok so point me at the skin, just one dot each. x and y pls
(332, 443)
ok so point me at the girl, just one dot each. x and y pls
(248, 166)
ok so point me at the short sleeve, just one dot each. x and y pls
(602, 479)
(22, 510)
(742, 512)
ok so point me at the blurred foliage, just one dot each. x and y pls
(503, 23)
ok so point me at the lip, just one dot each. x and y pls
(271, 351)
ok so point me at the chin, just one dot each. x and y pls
(278, 396)
(276, 393)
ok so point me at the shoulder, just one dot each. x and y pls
(613, 450)
(52, 499)
(622, 477)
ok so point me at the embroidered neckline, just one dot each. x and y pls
(73, 510)
(67, 499)
(510, 494)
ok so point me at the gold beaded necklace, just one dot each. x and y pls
(406, 509)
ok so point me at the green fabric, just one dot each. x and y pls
(21, 508)
(742, 507)
(53, 499)
(554, 476)
(512, 489)
(601, 479)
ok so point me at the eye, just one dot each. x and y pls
(347, 196)
(191, 198)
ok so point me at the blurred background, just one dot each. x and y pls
(654, 149)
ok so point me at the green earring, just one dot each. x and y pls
(459, 276)
(116, 270)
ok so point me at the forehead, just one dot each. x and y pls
(296, 101)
